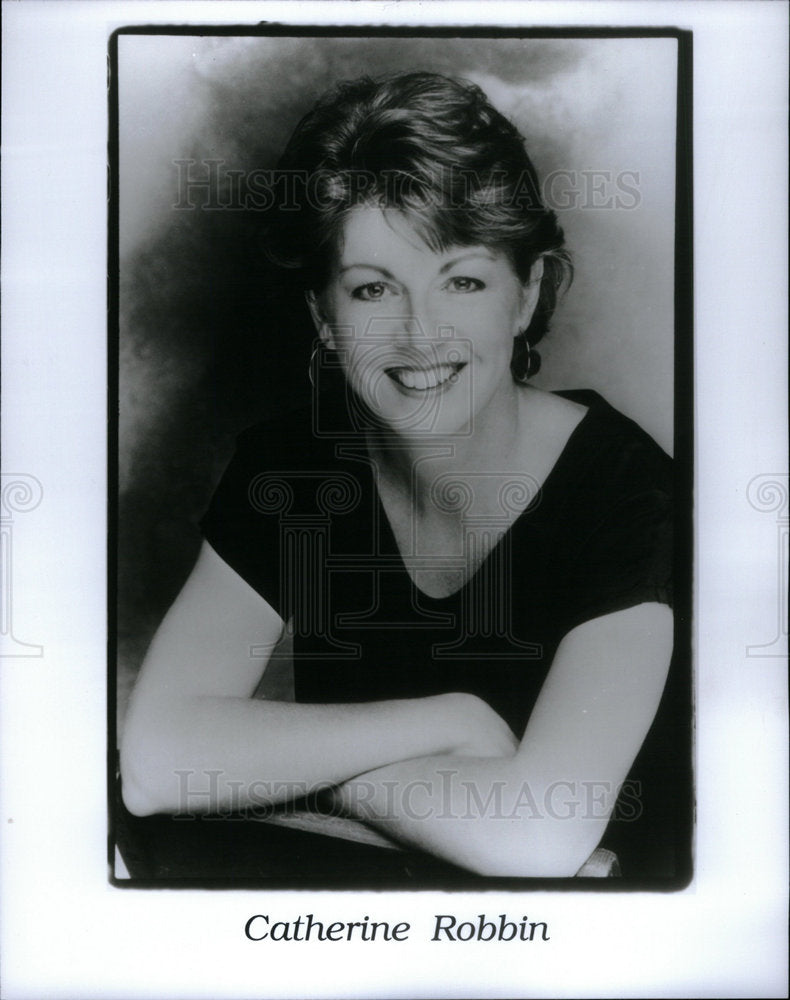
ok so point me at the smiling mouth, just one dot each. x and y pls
(425, 379)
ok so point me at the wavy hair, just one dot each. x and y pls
(435, 149)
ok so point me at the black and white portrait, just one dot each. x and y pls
(394, 521)
(403, 499)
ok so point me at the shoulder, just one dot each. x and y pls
(278, 433)
(301, 438)
(282, 468)
(295, 463)
(612, 452)
(613, 503)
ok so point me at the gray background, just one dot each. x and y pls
(202, 351)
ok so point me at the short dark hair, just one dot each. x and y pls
(434, 148)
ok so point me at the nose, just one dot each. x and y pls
(420, 322)
(415, 324)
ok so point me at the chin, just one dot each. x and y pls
(419, 409)
(421, 416)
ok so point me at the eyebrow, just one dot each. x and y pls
(482, 254)
(367, 267)
(473, 254)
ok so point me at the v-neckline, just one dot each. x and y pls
(547, 486)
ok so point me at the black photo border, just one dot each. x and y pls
(683, 441)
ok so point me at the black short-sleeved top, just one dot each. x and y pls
(297, 515)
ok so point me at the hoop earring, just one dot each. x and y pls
(523, 378)
(310, 365)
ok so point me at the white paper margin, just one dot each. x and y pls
(65, 931)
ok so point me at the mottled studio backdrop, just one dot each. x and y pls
(205, 352)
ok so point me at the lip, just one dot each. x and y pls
(423, 374)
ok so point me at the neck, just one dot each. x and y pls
(412, 463)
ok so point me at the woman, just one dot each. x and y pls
(476, 572)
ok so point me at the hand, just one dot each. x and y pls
(482, 732)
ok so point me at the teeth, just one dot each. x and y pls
(423, 379)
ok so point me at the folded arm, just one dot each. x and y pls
(193, 724)
(542, 810)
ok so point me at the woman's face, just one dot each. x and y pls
(425, 338)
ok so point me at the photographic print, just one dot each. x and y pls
(393, 574)
(403, 498)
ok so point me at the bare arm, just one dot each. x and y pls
(543, 810)
(193, 724)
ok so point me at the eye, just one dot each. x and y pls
(371, 292)
(460, 283)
